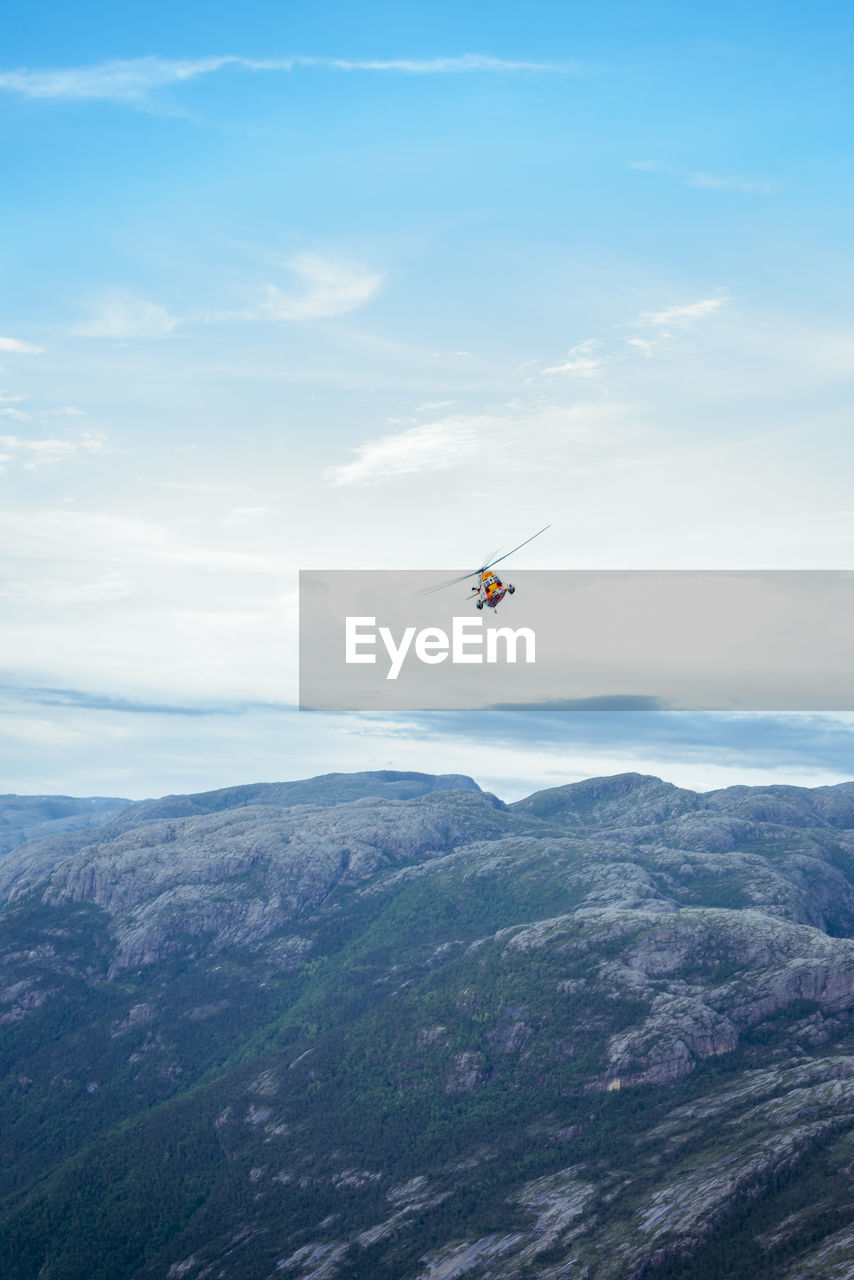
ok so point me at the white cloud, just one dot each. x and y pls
(65, 535)
(684, 314)
(238, 516)
(325, 287)
(128, 604)
(711, 181)
(436, 66)
(450, 355)
(649, 347)
(728, 182)
(431, 447)
(119, 315)
(589, 359)
(563, 435)
(30, 454)
(328, 288)
(134, 80)
(65, 593)
(581, 361)
(119, 81)
(14, 346)
(198, 486)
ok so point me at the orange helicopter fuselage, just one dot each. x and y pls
(492, 589)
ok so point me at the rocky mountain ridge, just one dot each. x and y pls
(30, 817)
(388, 1026)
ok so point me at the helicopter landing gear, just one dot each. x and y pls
(480, 604)
(510, 590)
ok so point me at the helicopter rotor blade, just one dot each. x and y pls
(452, 582)
(521, 544)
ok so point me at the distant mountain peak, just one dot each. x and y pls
(325, 789)
(605, 797)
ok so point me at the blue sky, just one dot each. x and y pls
(383, 286)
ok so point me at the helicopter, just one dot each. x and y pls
(490, 589)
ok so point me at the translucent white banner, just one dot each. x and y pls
(641, 639)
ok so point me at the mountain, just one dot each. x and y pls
(326, 790)
(386, 1027)
(28, 817)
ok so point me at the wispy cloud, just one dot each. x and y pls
(664, 328)
(64, 535)
(431, 447)
(120, 315)
(48, 592)
(484, 448)
(466, 62)
(327, 288)
(686, 313)
(324, 287)
(30, 454)
(199, 486)
(130, 80)
(14, 346)
(797, 742)
(136, 80)
(711, 181)
(238, 516)
(582, 361)
(49, 697)
(729, 182)
(592, 358)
